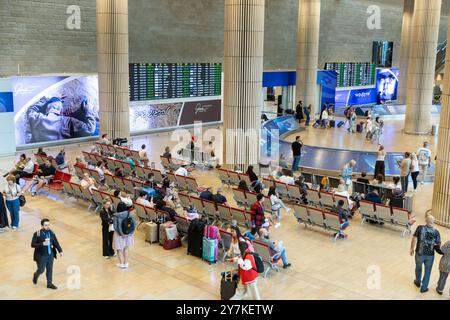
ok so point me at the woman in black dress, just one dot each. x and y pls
(256, 184)
(106, 214)
(3, 215)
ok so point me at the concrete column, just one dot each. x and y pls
(441, 191)
(406, 40)
(243, 69)
(422, 63)
(308, 52)
(112, 61)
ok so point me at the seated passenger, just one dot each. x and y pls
(170, 213)
(87, 182)
(182, 171)
(206, 194)
(277, 251)
(276, 203)
(104, 139)
(324, 185)
(44, 176)
(363, 178)
(128, 159)
(287, 177)
(142, 200)
(26, 172)
(191, 213)
(167, 153)
(277, 173)
(373, 196)
(378, 181)
(256, 184)
(243, 186)
(395, 184)
(219, 198)
(18, 166)
(252, 234)
(60, 160)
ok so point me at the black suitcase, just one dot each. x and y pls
(359, 128)
(340, 124)
(195, 237)
(316, 124)
(228, 285)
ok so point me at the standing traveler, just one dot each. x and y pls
(424, 157)
(405, 170)
(415, 170)
(307, 113)
(425, 241)
(297, 147)
(379, 164)
(444, 267)
(12, 192)
(45, 246)
(107, 215)
(248, 287)
(124, 228)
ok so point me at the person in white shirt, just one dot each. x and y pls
(276, 203)
(142, 200)
(414, 170)
(324, 118)
(182, 171)
(104, 139)
(277, 173)
(143, 155)
(287, 177)
(369, 128)
(395, 184)
(87, 182)
(424, 158)
(342, 191)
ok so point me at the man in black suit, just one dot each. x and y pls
(45, 245)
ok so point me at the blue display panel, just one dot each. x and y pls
(387, 83)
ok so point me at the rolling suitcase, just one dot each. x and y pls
(332, 123)
(340, 124)
(210, 250)
(162, 232)
(228, 285)
(151, 232)
(408, 202)
(359, 128)
(316, 124)
(195, 237)
(211, 232)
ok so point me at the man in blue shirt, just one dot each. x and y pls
(45, 246)
(347, 173)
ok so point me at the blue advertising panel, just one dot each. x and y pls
(356, 97)
(55, 108)
(327, 79)
(387, 83)
(279, 78)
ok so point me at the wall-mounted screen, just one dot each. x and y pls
(55, 108)
(353, 74)
(382, 52)
(158, 81)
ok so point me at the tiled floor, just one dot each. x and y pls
(373, 263)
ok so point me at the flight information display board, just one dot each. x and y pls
(353, 74)
(156, 81)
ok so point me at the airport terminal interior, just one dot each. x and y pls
(340, 109)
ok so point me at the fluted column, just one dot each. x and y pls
(112, 61)
(422, 64)
(406, 40)
(243, 69)
(308, 52)
(441, 191)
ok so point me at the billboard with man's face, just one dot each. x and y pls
(55, 108)
(387, 83)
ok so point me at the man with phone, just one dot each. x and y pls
(45, 246)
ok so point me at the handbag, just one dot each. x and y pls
(111, 228)
(22, 200)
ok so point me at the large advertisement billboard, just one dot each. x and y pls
(151, 116)
(387, 83)
(53, 108)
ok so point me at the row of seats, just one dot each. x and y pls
(317, 217)
(120, 152)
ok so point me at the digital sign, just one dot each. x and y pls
(157, 81)
(353, 74)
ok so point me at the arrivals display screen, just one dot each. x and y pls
(158, 81)
(353, 74)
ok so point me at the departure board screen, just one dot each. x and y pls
(353, 74)
(157, 81)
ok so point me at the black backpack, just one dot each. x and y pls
(128, 225)
(258, 261)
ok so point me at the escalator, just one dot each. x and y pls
(440, 66)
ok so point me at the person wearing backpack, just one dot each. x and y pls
(124, 228)
(248, 274)
(277, 251)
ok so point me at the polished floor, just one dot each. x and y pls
(373, 263)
